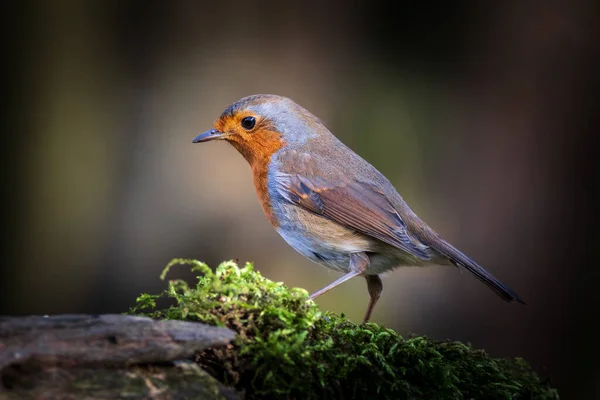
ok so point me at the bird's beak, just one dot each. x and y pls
(208, 135)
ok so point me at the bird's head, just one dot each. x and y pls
(259, 125)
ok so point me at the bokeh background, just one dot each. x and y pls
(478, 112)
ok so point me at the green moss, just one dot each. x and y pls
(286, 348)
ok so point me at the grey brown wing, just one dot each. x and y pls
(358, 205)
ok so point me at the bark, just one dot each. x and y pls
(106, 356)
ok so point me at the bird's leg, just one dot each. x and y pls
(375, 287)
(359, 262)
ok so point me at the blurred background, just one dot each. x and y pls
(478, 112)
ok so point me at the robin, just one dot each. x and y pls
(327, 202)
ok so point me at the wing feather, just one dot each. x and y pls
(358, 205)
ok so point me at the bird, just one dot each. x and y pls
(327, 202)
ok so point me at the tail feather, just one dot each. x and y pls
(461, 260)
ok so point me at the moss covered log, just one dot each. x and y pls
(286, 348)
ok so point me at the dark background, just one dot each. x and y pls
(480, 114)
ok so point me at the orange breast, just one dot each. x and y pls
(260, 173)
(258, 150)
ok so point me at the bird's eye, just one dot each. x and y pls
(248, 123)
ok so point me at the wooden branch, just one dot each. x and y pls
(105, 356)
